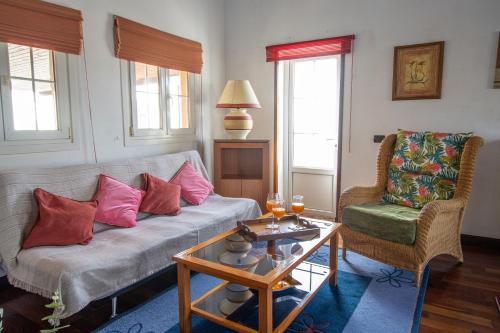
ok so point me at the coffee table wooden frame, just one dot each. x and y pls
(186, 263)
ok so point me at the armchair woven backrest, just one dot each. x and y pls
(466, 169)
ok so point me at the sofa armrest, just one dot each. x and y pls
(437, 220)
(359, 195)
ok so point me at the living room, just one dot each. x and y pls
(149, 149)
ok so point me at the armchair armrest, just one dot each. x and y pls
(438, 220)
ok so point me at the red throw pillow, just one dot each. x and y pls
(162, 198)
(194, 188)
(61, 221)
(118, 203)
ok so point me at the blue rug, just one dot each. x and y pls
(369, 297)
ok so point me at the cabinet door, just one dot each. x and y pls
(253, 189)
(229, 188)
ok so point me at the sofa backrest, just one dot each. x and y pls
(18, 209)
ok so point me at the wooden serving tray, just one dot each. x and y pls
(256, 229)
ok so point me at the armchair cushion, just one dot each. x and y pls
(387, 221)
(424, 167)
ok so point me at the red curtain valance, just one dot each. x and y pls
(312, 48)
(138, 42)
(41, 24)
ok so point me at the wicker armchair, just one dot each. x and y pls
(438, 224)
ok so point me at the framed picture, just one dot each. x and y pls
(496, 84)
(418, 71)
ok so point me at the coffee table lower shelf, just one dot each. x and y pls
(246, 317)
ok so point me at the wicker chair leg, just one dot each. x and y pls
(418, 277)
(344, 251)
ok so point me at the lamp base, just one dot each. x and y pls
(238, 124)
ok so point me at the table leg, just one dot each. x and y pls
(265, 310)
(334, 248)
(183, 280)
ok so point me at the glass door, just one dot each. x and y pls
(313, 127)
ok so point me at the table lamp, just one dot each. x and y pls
(238, 96)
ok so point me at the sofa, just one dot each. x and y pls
(116, 258)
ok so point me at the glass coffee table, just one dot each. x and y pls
(265, 284)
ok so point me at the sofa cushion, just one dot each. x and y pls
(61, 221)
(424, 167)
(391, 222)
(194, 188)
(161, 198)
(118, 203)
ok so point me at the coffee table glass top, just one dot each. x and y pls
(256, 257)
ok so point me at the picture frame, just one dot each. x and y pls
(418, 71)
(496, 83)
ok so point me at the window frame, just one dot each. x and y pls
(67, 98)
(136, 136)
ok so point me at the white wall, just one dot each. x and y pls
(200, 20)
(470, 30)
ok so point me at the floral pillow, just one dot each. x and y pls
(424, 167)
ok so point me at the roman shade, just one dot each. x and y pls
(308, 49)
(41, 24)
(138, 42)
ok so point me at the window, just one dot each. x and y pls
(34, 94)
(161, 101)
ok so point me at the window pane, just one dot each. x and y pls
(179, 99)
(23, 105)
(46, 115)
(43, 64)
(147, 87)
(315, 110)
(19, 60)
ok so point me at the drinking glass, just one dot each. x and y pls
(278, 212)
(298, 205)
(272, 198)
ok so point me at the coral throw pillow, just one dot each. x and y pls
(162, 198)
(61, 221)
(118, 203)
(194, 188)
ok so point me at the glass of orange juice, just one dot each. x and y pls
(298, 205)
(271, 198)
(278, 212)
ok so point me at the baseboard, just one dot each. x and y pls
(490, 244)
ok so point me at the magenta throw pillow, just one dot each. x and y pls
(194, 188)
(117, 203)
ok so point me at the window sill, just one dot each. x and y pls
(40, 146)
(134, 141)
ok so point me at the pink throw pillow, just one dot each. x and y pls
(194, 188)
(117, 203)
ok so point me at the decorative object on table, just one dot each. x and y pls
(55, 318)
(418, 71)
(241, 169)
(290, 227)
(387, 230)
(496, 84)
(238, 96)
(238, 255)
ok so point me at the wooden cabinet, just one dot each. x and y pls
(241, 169)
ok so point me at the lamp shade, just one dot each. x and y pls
(238, 94)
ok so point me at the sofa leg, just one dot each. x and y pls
(114, 302)
(344, 252)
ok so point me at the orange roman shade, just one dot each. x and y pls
(41, 24)
(138, 42)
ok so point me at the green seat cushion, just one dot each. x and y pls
(387, 221)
